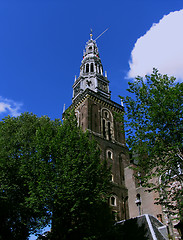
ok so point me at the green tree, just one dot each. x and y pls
(21, 209)
(79, 182)
(154, 129)
(51, 171)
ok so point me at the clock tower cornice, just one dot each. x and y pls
(89, 94)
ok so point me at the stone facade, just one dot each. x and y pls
(147, 199)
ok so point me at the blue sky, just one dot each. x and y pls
(42, 42)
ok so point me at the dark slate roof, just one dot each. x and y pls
(155, 230)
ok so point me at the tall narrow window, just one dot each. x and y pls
(101, 71)
(92, 68)
(113, 201)
(87, 68)
(109, 130)
(107, 124)
(96, 68)
(104, 133)
(109, 154)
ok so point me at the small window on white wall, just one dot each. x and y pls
(113, 200)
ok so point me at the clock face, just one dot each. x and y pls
(102, 86)
(88, 83)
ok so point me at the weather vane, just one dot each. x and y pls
(100, 34)
(91, 34)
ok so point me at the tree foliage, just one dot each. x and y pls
(50, 171)
(154, 129)
(80, 182)
(18, 177)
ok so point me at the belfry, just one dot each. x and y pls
(97, 113)
(91, 73)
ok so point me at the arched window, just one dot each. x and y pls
(109, 154)
(91, 67)
(101, 70)
(104, 128)
(96, 68)
(113, 201)
(107, 124)
(109, 130)
(87, 68)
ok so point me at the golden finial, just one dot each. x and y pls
(91, 35)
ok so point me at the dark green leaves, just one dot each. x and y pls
(49, 171)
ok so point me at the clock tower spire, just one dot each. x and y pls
(91, 73)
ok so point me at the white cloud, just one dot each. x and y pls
(161, 47)
(9, 107)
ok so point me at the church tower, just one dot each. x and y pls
(97, 113)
